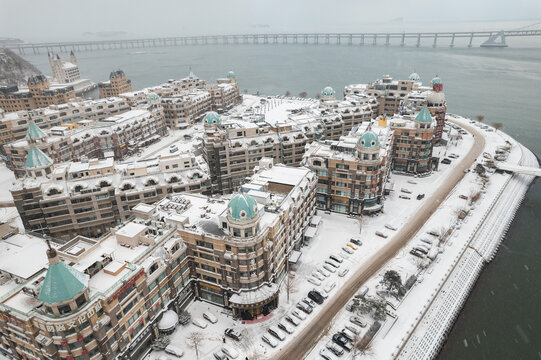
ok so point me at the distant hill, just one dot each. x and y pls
(14, 70)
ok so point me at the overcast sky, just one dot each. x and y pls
(50, 20)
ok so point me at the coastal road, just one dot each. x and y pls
(310, 335)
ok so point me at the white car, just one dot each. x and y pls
(314, 281)
(329, 268)
(277, 333)
(343, 272)
(318, 276)
(199, 323)
(210, 317)
(328, 288)
(324, 272)
(269, 340)
(347, 250)
(229, 351)
(299, 315)
(173, 148)
(175, 351)
(354, 329)
(293, 320)
(284, 326)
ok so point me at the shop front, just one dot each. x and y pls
(249, 305)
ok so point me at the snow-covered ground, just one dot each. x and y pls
(6, 180)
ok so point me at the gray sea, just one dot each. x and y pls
(502, 318)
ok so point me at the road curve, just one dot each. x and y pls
(310, 335)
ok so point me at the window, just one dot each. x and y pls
(80, 300)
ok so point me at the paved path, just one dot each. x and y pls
(310, 335)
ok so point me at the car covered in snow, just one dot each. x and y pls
(269, 340)
(318, 275)
(174, 350)
(233, 334)
(325, 354)
(380, 234)
(332, 263)
(329, 268)
(328, 288)
(284, 326)
(337, 258)
(314, 281)
(316, 297)
(357, 321)
(323, 272)
(404, 197)
(343, 272)
(336, 350)
(347, 249)
(210, 317)
(298, 314)
(230, 351)
(390, 227)
(220, 356)
(302, 306)
(354, 329)
(348, 334)
(293, 320)
(277, 333)
(309, 302)
(199, 323)
(362, 291)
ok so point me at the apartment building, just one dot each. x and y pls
(353, 170)
(116, 136)
(14, 125)
(117, 84)
(89, 197)
(38, 94)
(413, 143)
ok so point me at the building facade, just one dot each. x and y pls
(117, 84)
(64, 71)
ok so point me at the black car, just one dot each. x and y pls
(356, 241)
(446, 161)
(233, 334)
(313, 295)
(420, 196)
(342, 341)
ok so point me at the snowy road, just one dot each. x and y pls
(310, 335)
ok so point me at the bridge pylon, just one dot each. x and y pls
(493, 40)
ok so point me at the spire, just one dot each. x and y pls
(52, 255)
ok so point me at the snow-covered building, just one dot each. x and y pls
(352, 171)
(64, 71)
(117, 84)
(413, 142)
(89, 197)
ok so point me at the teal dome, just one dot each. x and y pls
(328, 92)
(436, 80)
(231, 75)
(415, 77)
(368, 140)
(62, 283)
(153, 98)
(424, 116)
(212, 118)
(242, 207)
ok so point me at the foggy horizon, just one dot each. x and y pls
(59, 20)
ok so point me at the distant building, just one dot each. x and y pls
(413, 143)
(352, 171)
(437, 105)
(38, 94)
(117, 84)
(119, 135)
(63, 71)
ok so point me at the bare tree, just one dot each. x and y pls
(420, 263)
(288, 93)
(497, 125)
(303, 94)
(194, 341)
(290, 285)
(474, 195)
(480, 118)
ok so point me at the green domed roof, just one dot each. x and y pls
(212, 118)
(153, 98)
(36, 158)
(242, 207)
(34, 132)
(328, 92)
(368, 140)
(415, 77)
(231, 75)
(62, 283)
(436, 80)
(424, 116)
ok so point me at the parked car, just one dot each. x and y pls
(309, 302)
(323, 272)
(269, 340)
(220, 356)
(298, 314)
(357, 321)
(433, 233)
(405, 191)
(314, 281)
(328, 288)
(325, 354)
(318, 276)
(354, 329)
(356, 241)
(347, 249)
(420, 196)
(420, 249)
(332, 263)
(349, 306)
(229, 351)
(390, 227)
(348, 334)
(199, 322)
(380, 234)
(316, 297)
(352, 247)
(427, 241)
(446, 161)
(284, 326)
(233, 334)
(302, 306)
(173, 148)
(277, 333)
(362, 291)
(404, 197)
(173, 350)
(210, 317)
(337, 258)
(330, 268)
(417, 253)
(343, 272)
(292, 319)
(463, 197)
(321, 293)
(336, 350)
(341, 340)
